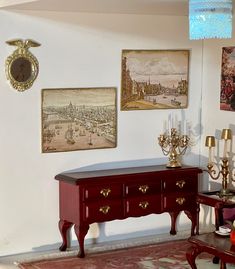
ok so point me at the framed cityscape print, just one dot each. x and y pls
(227, 90)
(78, 119)
(154, 79)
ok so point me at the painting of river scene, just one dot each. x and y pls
(78, 119)
(154, 79)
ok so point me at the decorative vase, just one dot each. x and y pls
(232, 237)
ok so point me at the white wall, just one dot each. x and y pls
(81, 50)
(214, 119)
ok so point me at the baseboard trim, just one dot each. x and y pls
(108, 246)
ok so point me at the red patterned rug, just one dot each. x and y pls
(169, 255)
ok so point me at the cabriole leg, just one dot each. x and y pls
(81, 231)
(174, 216)
(191, 255)
(64, 227)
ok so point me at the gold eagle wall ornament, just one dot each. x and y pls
(22, 66)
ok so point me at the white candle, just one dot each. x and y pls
(164, 127)
(169, 122)
(181, 127)
(210, 149)
(176, 122)
(225, 148)
(172, 120)
(185, 127)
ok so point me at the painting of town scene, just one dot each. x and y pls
(78, 119)
(154, 79)
(227, 92)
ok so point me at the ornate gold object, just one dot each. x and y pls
(224, 170)
(105, 192)
(144, 204)
(180, 200)
(180, 183)
(173, 145)
(226, 134)
(210, 141)
(105, 209)
(22, 66)
(143, 188)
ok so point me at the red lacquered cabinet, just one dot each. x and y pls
(104, 195)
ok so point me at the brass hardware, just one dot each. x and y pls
(144, 204)
(174, 145)
(180, 200)
(226, 134)
(143, 188)
(22, 66)
(180, 183)
(224, 171)
(210, 141)
(105, 209)
(105, 192)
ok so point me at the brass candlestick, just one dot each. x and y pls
(224, 171)
(173, 145)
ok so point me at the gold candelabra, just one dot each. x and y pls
(174, 145)
(224, 171)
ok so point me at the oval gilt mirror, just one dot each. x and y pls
(22, 66)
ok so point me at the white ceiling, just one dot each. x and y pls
(159, 7)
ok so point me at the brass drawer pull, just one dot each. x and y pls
(144, 204)
(143, 188)
(105, 192)
(180, 183)
(105, 209)
(180, 200)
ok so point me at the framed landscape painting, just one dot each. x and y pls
(78, 119)
(227, 91)
(154, 79)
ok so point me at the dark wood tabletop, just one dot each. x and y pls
(217, 245)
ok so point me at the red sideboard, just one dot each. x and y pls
(104, 195)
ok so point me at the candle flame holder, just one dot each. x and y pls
(174, 145)
(224, 169)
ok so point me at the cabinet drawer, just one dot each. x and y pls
(179, 201)
(103, 211)
(104, 191)
(141, 206)
(142, 188)
(180, 184)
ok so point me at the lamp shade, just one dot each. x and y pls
(210, 19)
(226, 134)
(210, 141)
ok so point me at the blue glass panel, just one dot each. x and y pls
(210, 19)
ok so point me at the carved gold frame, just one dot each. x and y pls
(24, 54)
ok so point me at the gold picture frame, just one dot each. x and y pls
(79, 119)
(227, 85)
(21, 66)
(154, 79)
